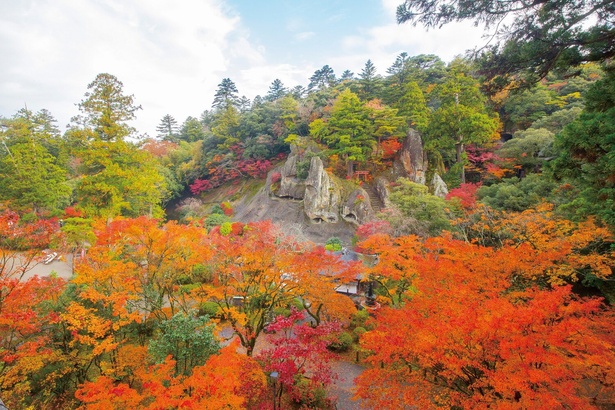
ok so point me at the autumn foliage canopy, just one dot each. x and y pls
(491, 321)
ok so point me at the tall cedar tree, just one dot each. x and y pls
(107, 109)
(226, 95)
(168, 129)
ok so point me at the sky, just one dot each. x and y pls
(172, 54)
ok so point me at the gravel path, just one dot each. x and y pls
(61, 267)
(344, 385)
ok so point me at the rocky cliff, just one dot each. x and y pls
(411, 161)
(325, 198)
(303, 197)
(321, 199)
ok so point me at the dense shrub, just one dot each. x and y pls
(215, 220)
(333, 244)
(188, 339)
(303, 168)
(359, 318)
(342, 343)
(358, 331)
(466, 193)
(227, 209)
(276, 177)
(513, 194)
(432, 214)
(226, 228)
(210, 309)
(225, 168)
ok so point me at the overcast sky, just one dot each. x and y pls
(173, 54)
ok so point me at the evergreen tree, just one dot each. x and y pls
(192, 130)
(347, 75)
(426, 70)
(539, 35)
(369, 81)
(116, 177)
(207, 117)
(298, 92)
(225, 128)
(386, 123)
(168, 129)
(587, 156)
(107, 109)
(461, 117)
(31, 178)
(413, 108)
(42, 129)
(46, 123)
(276, 90)
(397, 70)
(226, 95)
(321, 79)
(398, 74)
(257, 101)
(348, 132)
(243, 104)
(119, 179)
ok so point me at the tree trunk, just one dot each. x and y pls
(459, 149)
(350, 170)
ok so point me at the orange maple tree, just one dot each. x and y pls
(130, 282)
(132, 273)
(158, 258)
(466, 338)
(24, 342)
(396, 268)
(318, 273)
(260, 271)
(553, 250)
(25, 315)
(228, 380)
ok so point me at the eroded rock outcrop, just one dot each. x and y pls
(438, 186)
(410, 161)
(291, 186)
(321, 194)
(357, 208)
(321, 200)
(382, 189)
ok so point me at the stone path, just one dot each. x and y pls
(61, 267)
(344, 385)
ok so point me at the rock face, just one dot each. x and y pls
(410, 161)
(382, 188)
(439, 186)
(357, 207)
(289, 215)
(322, 197)
(290, 185)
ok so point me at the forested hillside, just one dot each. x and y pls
(489, 280)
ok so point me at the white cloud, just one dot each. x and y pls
(173, 54)
(294, 24)
(170, 55)
(256, 80)
(383, 43)
(390, 6)
(304, 35)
